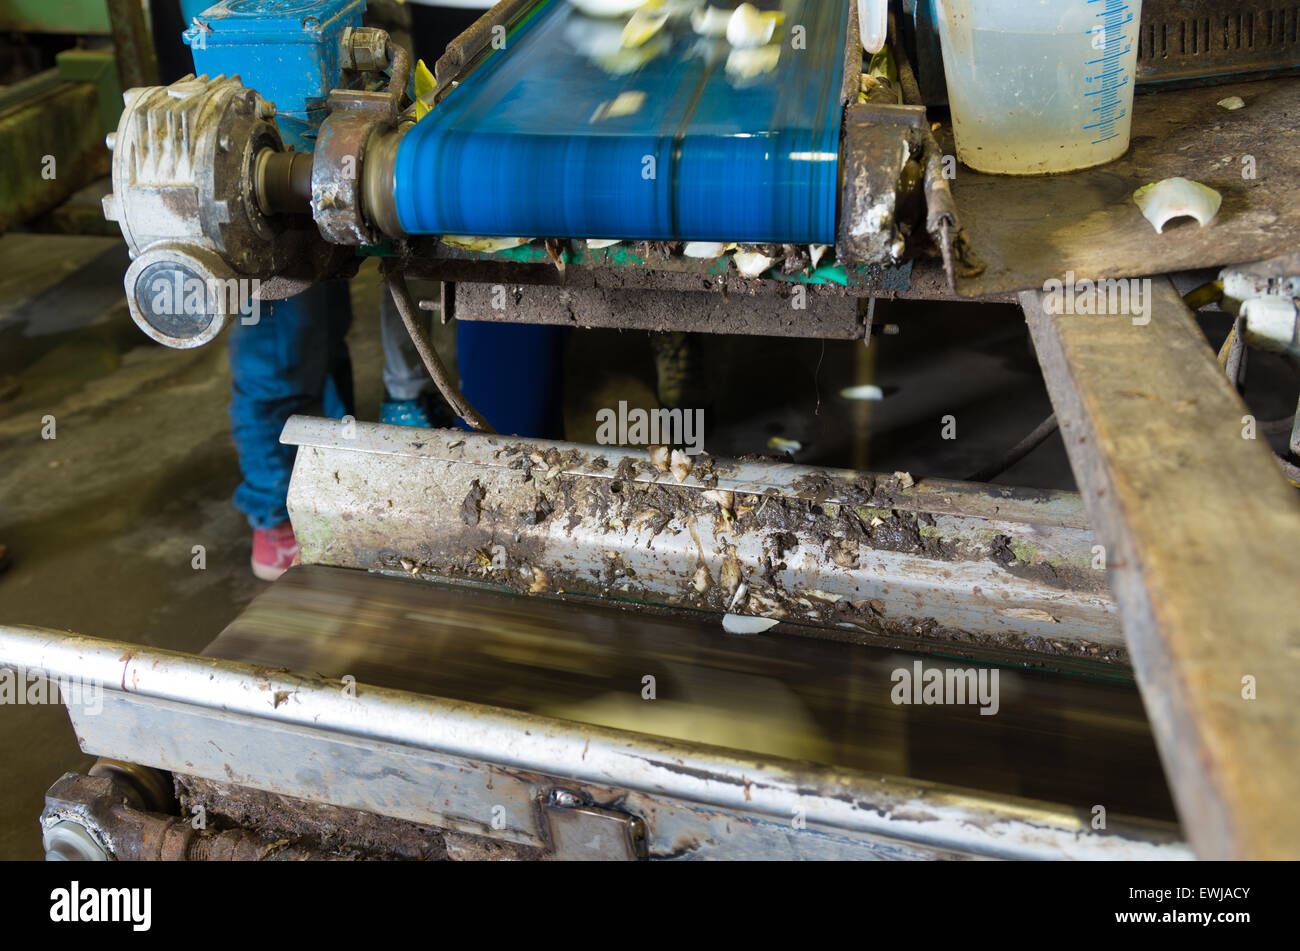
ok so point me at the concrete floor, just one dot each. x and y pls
(101, 520)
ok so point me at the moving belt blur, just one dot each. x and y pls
(1056, 738)
(566, 132)
(345, 713)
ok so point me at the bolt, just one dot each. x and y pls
(565, 799)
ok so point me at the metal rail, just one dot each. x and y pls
(246, 697)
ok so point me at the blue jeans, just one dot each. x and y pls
(293, 360)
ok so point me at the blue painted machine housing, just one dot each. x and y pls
(288, 50)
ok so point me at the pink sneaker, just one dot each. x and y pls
(274, 550)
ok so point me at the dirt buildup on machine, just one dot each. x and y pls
(347, 833)
(472, 507)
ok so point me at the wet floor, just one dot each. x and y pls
(101, 521)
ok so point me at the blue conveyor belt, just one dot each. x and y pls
(534, 143)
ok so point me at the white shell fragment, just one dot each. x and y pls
(749, 27)
(473, 243)
(744, 624)
(711, 21)
(750, 63)
(1233, 102)
(1172, 198)
(816, 252)
(599, 244)
(644, 24)
(751, 263)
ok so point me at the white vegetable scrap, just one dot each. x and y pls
(751, 63)
(711, 21)
(680, 465)
(867, 391)
(644, 24)
(749, 27)
(704, 249)
(752, 263)
(625, 104)
(1172, 198)
(744, 624)
(723, 498)
(607, 8)
(473, 243)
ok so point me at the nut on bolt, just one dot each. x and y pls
(364, 48)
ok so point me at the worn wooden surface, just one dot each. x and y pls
(1200, 531)
(1028, 229)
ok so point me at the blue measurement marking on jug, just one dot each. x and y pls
(1112, 41)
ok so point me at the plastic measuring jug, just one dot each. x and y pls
(1039, 86)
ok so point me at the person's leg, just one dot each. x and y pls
(410, 397)
(405, 377)
(293, 360)
(514, 375)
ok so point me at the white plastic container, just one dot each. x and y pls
(1039, 86)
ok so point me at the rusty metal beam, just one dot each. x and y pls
(463, 53)
(795, 313)
(137, 64)
(1200, 532)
